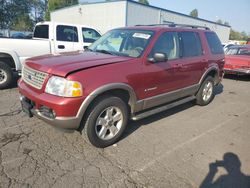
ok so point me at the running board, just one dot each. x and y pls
(162, 108)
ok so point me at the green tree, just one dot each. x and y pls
(144, 2)
(57, 4)
(194, 13)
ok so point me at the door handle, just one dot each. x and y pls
(61, 46)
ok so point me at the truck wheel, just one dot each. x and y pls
(6, 75)
(106, 121)
(206, 92)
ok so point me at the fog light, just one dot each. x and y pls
(47, 112)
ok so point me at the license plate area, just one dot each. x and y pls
(27, 106)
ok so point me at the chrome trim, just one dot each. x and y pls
(33, 77)
(237, 71)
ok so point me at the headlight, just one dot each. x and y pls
(62, 87)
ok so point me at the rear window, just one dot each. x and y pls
(41, 31)
(214, 43)
(191, 44)
(66, 33)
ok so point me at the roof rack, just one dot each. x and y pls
(178, 25)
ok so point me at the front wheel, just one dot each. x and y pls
(206, 92)
(106, 121)
(6, 75)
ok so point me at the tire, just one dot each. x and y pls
(6, 75)
(106, 121)
(206, 92)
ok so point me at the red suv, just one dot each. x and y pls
(129, 73)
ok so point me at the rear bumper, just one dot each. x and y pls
(237, 71)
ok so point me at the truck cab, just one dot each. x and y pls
(66, 37)
(48, 38)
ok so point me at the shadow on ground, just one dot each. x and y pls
(234, 177)
(134, 125)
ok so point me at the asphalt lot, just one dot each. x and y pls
(170, 149)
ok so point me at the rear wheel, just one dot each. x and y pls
(206, 92)
(106, 121)
(6, 75)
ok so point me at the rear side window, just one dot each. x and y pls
(214, 43)
(191, 44)
(66, 33)
(41, 31)
(90, 35)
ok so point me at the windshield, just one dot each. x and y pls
(123, 42)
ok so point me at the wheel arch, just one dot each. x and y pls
(211, 71)
(121, 90)
(11, 59)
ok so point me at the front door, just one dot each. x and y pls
(161, 78)
(67, 38)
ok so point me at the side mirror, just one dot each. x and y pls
(158, 57)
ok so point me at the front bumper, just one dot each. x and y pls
(237, 71)
(65, 110)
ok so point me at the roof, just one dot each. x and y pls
(154, 7)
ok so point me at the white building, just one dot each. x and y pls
(119, 13)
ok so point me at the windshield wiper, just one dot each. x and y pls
(105, 52)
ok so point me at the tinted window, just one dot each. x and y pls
(66, 33)
(167, 43)
(214, 43)
(191, 44)
(90, 35)
(41, 31)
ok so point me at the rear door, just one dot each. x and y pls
(66, 39)
(192, 62)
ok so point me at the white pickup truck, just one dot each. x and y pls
(48, 37)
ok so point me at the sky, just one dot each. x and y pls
(235, 12)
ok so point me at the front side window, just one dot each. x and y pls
(167, 43)
(90, 35)
(123, 42)
(66, 33)
(191, 44)
(41, 31)
(214, 43)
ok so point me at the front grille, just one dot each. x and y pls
(33, 77)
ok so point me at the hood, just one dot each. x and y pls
(65, 63)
